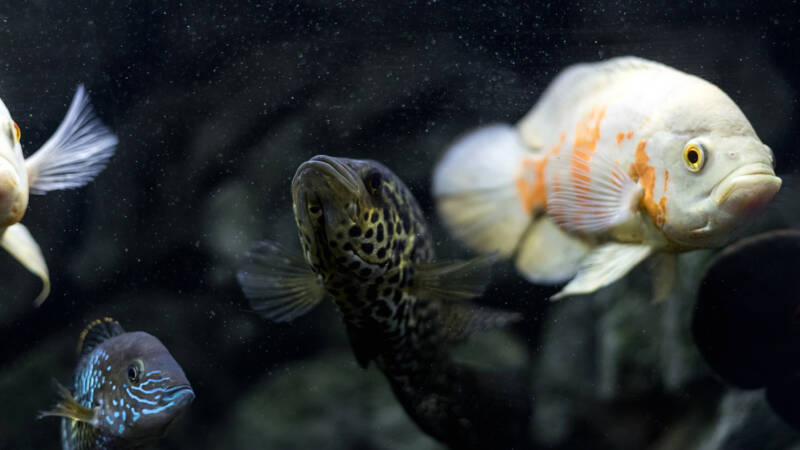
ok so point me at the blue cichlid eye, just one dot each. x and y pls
(133, 373)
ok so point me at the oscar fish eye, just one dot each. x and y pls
(17, 132)
(13, 131)
(694, 156)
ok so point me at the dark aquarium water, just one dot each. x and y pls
(215, 105)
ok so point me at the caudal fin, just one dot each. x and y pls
(76, 152)
(474, 187)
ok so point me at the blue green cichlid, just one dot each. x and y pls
(367, 246)
(127, 390)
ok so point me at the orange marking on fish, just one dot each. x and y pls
(587, 133)
(530, 184)
(556, 149)
(622, 136)
(647, 179)
(666, 179)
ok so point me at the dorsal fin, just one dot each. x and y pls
(96, 332)
(574, 84)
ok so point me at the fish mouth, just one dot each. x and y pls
(328, 170)
(327, 183)
(747, 190)
(179, 396)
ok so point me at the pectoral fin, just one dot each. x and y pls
(70, 408)
(453, 280)
(596, 195)
(604, 265)
(460, 320)
(280, 285)
(78, 150)
(18, 241)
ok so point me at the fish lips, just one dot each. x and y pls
(747, 190)
(329, 183)
(181, 397)
(322, 170)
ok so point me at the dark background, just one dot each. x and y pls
(217, 103)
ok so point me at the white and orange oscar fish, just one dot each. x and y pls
(77, 151)
(618, 161)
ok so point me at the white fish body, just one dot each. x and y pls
(618, 161)
(77, 151)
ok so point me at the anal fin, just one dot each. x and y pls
(548, 254)
(606, 264)
(279, 284)
(18, 241)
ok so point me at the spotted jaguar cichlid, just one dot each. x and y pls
(367, 246)
(127, 390)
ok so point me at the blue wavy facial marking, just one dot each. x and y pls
(122, 406)
(156, 394)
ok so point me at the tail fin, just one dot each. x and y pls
(477, 197)
(475, 192)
